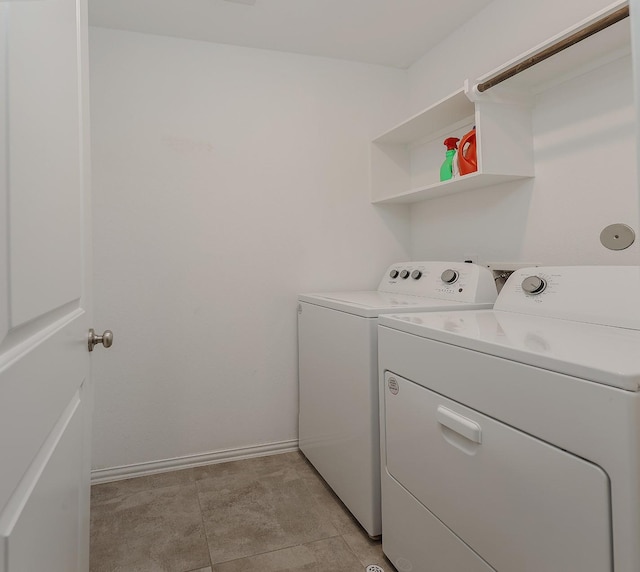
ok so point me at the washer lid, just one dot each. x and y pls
(604, 354)
(370, 304)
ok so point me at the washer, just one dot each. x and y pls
(511, 437)
(337, 335)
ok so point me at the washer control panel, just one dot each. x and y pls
(607, 295)
(443, 280)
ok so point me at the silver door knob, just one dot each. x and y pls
(106, 339)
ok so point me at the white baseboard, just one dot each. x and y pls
(99, 476)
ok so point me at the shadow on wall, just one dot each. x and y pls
(592, 111)
(454, 227)
(395, 217)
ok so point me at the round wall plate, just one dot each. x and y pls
(617, 236)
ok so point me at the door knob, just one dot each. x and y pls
(106, 339)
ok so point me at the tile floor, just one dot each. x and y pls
(268, 514)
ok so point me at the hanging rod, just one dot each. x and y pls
(569, 41)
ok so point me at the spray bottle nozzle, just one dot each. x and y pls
(451, 143)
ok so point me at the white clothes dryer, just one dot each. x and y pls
(337, 335)
(511, 437)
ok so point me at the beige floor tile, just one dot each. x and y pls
(258, 505)
(155, 530)
(367, 550)
(266, 513)
(108, 491)
(328, 555)
(327, 501)
(282, 466)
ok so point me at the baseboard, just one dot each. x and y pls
(99, 476)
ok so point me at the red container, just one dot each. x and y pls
(467, 154)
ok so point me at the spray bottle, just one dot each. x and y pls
(446, 171)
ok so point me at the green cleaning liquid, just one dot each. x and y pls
(446, 170)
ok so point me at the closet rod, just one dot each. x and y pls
(578, 36)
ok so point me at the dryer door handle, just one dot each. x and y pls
(466, 427)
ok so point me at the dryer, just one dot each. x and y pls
(338, 380)
(511, 437)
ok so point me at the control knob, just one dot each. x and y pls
(416, 274)
(404, 274)
(394, 273)
(534, 285)
(449, 276)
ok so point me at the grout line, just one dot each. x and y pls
(352, 550)
(280, 549)
(204, 528)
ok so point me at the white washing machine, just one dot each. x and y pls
(511, 437)
(338, 370)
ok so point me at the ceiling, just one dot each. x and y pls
(386, 32)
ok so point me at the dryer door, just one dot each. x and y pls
(520, 503)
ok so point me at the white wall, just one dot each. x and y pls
(584, 141)
(226, 180)
(634, 7)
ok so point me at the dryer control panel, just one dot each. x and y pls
(607, 295)
(443, 280)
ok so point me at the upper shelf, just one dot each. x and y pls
(406, 159)
(432, 120)
(600, 48)
(596, 50)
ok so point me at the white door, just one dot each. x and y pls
(45, 392)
